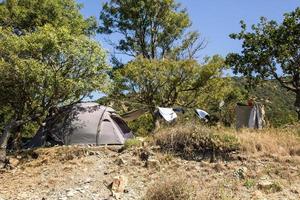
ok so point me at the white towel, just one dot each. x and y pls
(167, 113)
(201, 113)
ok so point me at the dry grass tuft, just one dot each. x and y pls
(284, 142)
(171, 188)
(197, 142)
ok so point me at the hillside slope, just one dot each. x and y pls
(86, 173)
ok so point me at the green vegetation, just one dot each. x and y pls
(271, 50)
(153, 29)
(130, 143)
(142, 126)
(249, 183)
(47, 60)
(278, 103)
(168, 82)
(197, 142)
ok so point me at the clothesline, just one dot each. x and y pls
(146, 105)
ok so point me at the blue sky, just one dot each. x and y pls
(215, 19)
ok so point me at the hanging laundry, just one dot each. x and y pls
(167, 113)
(202, 114)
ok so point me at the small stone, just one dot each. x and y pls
(265, 185)
(241, 172)
(119, 183)
(13, 162)
(152, 164)
(70, 193)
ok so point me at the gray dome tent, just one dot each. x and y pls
(84, 123)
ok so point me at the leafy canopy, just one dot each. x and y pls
(47, 59)
(150, 28)
(26, 16)
(167, 82)
(271, 50)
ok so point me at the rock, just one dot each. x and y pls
(118, 185)
(264, 184)
(152, 164)
(268, 185)
(13, 162)
(70, 193)
(257, 195)
(241, 172)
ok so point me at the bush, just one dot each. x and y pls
(171, 188)
(196, 142)
(132, 143)
(143, 125)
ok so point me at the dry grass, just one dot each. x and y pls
(192, 142)
(171, 188)
(283, 142)
(197, 142)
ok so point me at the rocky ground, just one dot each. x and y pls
(100, 173)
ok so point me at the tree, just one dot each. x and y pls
(167, 82)
(24, 16)
(271, 51)
(150, 28)
(45, 66)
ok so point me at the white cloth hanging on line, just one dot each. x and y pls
(167, 113)
(201, 113)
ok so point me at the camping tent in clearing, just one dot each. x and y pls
(84, 123)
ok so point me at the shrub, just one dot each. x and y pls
(194, 142)
(143, 125)
(249, 183)
(171, 188)
(132, 143)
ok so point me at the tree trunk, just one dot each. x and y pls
(3, 142)
(156, 121)
(297, 104)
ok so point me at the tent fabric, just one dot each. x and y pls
(167, 113)
(201, 113)
(85, 123)
(250, 116)
(253, 117)
(256, 119)
(242, 116)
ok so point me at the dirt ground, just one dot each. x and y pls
(65, 173)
